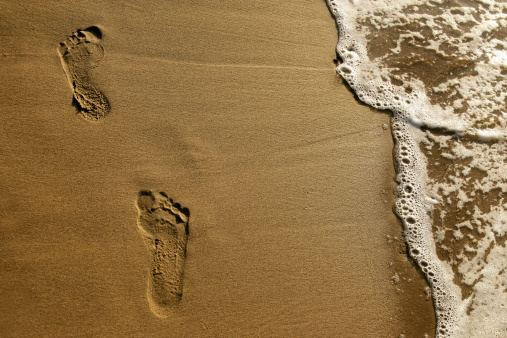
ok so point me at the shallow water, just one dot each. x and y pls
(440, 67)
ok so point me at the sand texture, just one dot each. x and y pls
(193, 168)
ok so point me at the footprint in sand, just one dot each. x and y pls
(164, 226)
(81, 52)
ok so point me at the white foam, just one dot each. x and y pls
(467, 101)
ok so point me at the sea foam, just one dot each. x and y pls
(441, 67)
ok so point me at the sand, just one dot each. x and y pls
(233, 110)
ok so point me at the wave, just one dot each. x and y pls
(440, 67)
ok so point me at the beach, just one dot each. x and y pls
(234, 111)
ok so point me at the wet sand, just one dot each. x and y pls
(234, 110)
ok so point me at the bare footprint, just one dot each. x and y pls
(164, 225)
(81, 52)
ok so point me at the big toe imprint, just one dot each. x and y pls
(164, 226)
(79, 53)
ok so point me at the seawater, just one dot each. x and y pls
(440, 67)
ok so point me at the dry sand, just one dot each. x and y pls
(231, 108)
